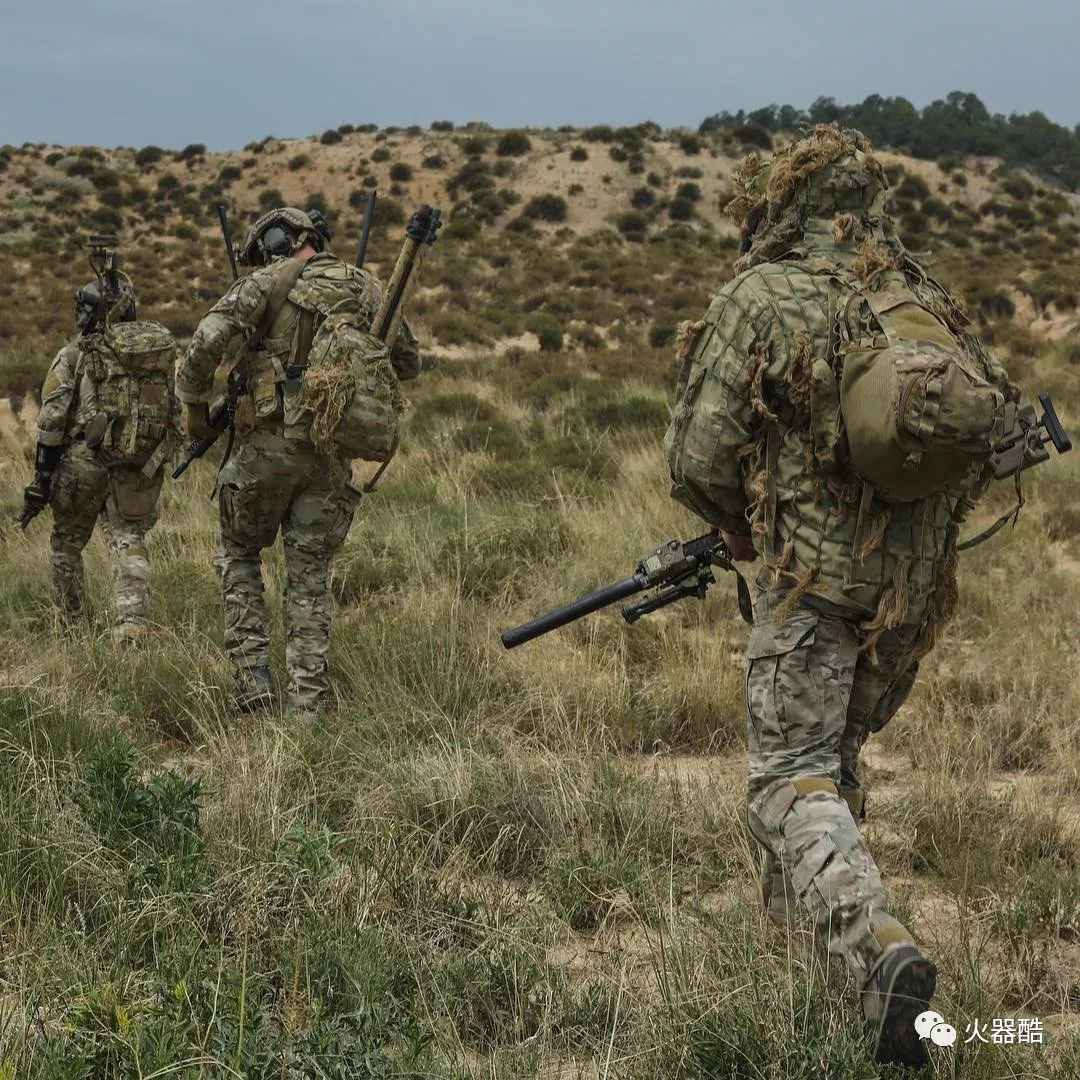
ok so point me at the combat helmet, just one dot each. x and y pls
(281, 232)
(830, 173)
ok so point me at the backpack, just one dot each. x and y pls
(341, 389)
(131, 367)
(919, 414)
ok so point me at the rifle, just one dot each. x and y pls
(222, 410)
(675, 570)
(420, 232)
(369, 215)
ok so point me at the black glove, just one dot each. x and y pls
(35, 498)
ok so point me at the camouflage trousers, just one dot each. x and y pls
(812, 700)
(123, 502)
(271, 484)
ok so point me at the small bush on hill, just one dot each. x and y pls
(513, 144)
(400, 172)
(579, 153)
(330, 137)
(546, 208)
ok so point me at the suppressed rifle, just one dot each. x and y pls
(675, 570)
(419, 234)
(222, 410)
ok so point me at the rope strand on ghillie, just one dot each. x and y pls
(891, 612)
(759, 362)
(326, 392)
(797, 376)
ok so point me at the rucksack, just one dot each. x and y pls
(920, 416)
(131, 367)
(341, 389)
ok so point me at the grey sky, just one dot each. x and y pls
(117, 72)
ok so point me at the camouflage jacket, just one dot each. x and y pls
(221, 335)
(742, 455)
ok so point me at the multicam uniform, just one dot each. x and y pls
(275, 479)
(88, 488)
(854, 587)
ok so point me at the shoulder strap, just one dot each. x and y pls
(284, 281)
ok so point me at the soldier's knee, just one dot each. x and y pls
(766, 811)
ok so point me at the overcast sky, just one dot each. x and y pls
(172, 72)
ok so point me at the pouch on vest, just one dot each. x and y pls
(919, 417)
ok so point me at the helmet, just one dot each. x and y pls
(832, 171)
(281, 231)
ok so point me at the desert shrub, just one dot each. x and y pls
(579, 153)
(380, 153)
(574, 189)
(1018, 186)
(388, 212)
(689, 172)
(330, 136)
(661, 335)
(191, 152)
(632, 224)
(358, 198)
(299, 161)
(168, 183)
(149, 155)
(598, 133)
(442, 125)
(548, 329)
(680, 209)
(229, 174)
(474, 145)
(642, 199)
(513, 144)
(546, 208)
(81, 167)
(689, 144)
(434, 161)
(269, 198)
(461, 228)
(105, 179)
(689, 191)
(502, 168)
(654, 180)
(752, 135)
(618, 153)
(912, 187)
(401, 172)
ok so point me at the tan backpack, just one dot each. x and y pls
(920, 416)
(131, 366)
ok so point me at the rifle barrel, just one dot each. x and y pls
(560, 616)
(369, 216)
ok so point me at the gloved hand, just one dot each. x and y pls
(35, 498)
(196, 422)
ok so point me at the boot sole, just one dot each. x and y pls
(908, 994)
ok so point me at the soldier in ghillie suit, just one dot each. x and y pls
(107, 425)
(857, 581)
(276, 477)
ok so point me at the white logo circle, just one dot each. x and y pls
(925, 1022)
(943, 1034)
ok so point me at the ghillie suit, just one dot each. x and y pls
(857, 582)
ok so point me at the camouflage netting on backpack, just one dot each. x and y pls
(131, 366)
(350, 392)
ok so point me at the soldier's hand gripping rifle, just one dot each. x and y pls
(419, 233)
(222, 410)
(675, 570)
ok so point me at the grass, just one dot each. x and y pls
(492, 864)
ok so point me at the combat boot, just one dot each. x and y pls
(254, 690)
(129, 634)
(898, 990)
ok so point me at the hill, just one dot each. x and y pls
(491, 864)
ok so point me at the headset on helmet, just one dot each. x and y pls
(91, 309)
(280, 232)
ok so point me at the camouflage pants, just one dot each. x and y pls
(269, 484)
(124, 503)
(812, 700)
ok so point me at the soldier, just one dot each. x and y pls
(276, 479)
(107, 424)
(855, 584)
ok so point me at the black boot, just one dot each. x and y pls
(254, 691)
(898, 990)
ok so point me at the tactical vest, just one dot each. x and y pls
(132, 412)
